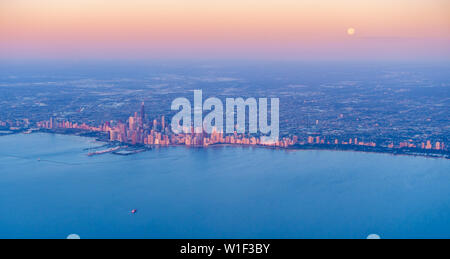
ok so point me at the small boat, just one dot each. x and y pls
(134, 211)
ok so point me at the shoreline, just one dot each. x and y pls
(397, 152)
(370, 152)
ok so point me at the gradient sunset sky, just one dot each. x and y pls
(209, 29)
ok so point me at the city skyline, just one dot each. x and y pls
(402, 105)
(141, 130)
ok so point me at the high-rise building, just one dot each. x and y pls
(438, 146)
(132, 123)
(53, 123)
(155, 125)
(142, 115)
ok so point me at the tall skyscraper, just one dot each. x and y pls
(155, 125)
(142, 115)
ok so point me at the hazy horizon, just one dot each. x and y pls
(246, 29)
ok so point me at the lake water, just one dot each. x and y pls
(226, 192)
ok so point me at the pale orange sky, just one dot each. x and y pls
(297, 29)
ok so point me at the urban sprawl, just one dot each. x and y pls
(139, 130)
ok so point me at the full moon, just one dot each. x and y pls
(351, 31)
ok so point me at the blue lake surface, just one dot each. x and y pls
(223, 192)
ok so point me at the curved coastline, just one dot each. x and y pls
(297, 147)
